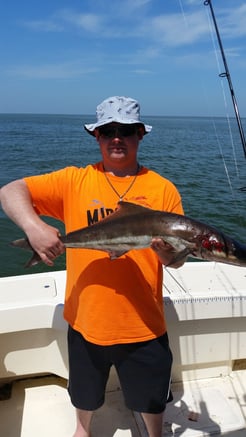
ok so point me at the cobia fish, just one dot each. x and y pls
(133, 226)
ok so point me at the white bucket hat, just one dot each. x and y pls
(124, 110)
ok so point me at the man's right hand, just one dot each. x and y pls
(45, 240)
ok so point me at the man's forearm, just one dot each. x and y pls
(17, 204)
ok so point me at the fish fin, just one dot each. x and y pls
(180, 256)
(128, 208)
(33, 261)
(125, 209)
(23, 243)
(114, 254)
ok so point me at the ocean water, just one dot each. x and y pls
(202, 156)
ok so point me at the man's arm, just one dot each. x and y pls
(17, 204)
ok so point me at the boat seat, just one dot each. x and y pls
(32, 329)
(30, 303)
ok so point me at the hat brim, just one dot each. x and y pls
(90, 128)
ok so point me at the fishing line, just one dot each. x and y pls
(180, 285)
(217, 137)
(226, 108)
(228, 77)
(225, 101)
(183, 12)
(224, 163)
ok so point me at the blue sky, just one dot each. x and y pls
(60, 56)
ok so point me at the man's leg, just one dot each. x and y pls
(144, 371)
(83, 423)
(153, 423)
(88, 375)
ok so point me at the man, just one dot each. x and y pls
(114, 308)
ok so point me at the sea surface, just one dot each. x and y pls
(202, 156)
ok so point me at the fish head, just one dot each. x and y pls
(218, 247)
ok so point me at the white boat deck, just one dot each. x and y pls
(205, 306)
(41, 407)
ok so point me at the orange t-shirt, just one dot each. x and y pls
(108, 301)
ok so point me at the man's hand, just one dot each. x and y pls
(45, 240)
(166, 253)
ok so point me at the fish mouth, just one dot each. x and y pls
(239, 251)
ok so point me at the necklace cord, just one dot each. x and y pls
(121, 196)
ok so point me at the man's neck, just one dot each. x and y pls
(122, 171)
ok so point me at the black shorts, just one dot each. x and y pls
(144, 371)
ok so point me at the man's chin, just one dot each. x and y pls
(117, 156)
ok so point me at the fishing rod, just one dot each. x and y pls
(228, 76)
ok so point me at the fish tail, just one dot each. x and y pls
(33, 261)
(23, 243)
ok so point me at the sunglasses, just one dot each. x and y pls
(117, 131)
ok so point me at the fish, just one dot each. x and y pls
(133, 226)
